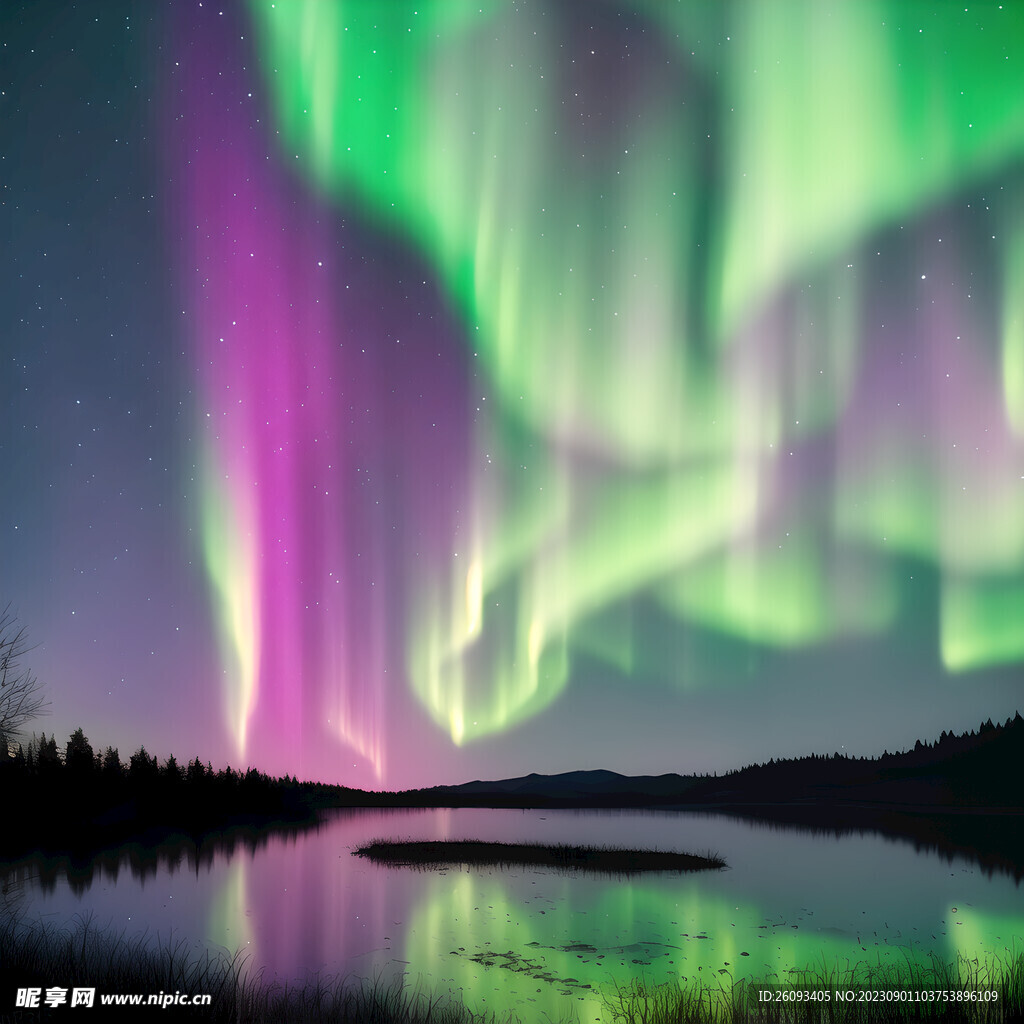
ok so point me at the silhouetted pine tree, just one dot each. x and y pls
(48, 758)
(78, 755)
(142, 768)
(171, 771)
(112, 767)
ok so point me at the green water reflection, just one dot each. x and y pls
(566, 945)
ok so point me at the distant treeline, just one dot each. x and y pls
(948, 744)
(977, 768)
(81, 799)
(76, 798)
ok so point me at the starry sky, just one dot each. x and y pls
(400, 393)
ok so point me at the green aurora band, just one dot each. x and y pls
(667, 305)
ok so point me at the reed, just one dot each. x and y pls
(934, 991)
(83, 956)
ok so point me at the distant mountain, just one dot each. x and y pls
(579, 784)
(980, 769)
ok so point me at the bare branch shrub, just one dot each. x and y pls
(21, 698)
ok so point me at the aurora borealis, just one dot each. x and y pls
(400, 393)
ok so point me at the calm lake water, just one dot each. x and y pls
(538, 941)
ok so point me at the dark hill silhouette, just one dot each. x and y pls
(977, 770)
(569, 785)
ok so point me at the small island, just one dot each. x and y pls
(564, 856)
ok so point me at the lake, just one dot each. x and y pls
(537, 941)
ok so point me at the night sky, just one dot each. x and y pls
(400, 393)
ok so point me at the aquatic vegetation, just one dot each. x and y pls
(565, 856)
